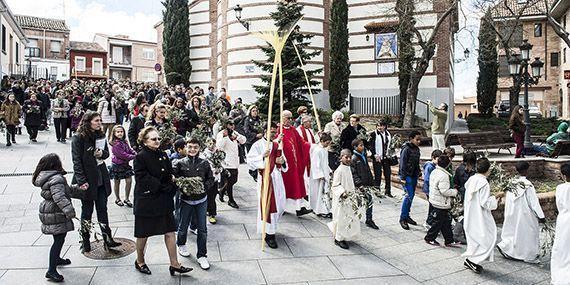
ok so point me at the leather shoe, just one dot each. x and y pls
(411, 222)
(342, 244)
(233, 204)
(270, 241)
(404, 225)
(54, 277)
(303, 211)
(180, 270)
(62, 261)
(142, 268)
(371, 224)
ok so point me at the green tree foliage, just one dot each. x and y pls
(339, 64)
(294, 84)
(176, 42)
(488, 69)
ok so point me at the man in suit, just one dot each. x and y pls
(378, 144)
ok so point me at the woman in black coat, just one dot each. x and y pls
(154, 200)
(136, 125)
(88, 151)
(33, 112)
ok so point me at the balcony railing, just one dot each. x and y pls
(125, 61)
(32, 52)
(30, 71)
(88, 72)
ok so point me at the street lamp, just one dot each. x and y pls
(518, 68)
(238, 10)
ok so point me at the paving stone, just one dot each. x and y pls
(37, 276)
(72, 238)
(299, 269)
(19, 238)
(429, 271)
(26, 257)
(227, 232)
(285, 230)
(528, 275)
(377, 242)
(227, 272)
(318, 227)
(302, 247)
(129, 275)
(390, 280)
(251, 249)
(14, 198)
(359, 266)
(10, 228)
(401, 249)
(12, 214)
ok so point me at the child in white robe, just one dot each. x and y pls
(256, 159)
(480, 228)
(560, 258)
(520, 234)
(320, 177)
(345, 225)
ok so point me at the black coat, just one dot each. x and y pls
(361, 173)
(250, 128)
(372, 143)
(85, 167)
(33, 118)
(137, 124)
(193, 120)
(154, 188)
(348, 135)
(409, 161)
(194, 167)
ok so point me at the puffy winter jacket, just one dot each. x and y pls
(440, 193)
(56, 211)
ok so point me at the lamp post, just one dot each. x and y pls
(238, 10)
(518, 68)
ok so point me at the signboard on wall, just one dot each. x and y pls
(567, 74)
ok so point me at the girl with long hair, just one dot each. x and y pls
(517, 127)
(88, 151)
(120, 168)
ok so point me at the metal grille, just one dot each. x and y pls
(389, 105)
(21, 174)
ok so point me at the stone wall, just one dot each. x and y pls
(547, 203)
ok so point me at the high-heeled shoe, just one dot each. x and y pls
(180, 270)
(142, 268)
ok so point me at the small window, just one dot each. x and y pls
(537, 30)
(79, 63)
(55, 46)
(33, 43)
(53, 70)
(17, 53)
(3, 38)
(97, 66)
(554, 59)
(148, 53)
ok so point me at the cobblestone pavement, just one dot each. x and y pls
(306, 253)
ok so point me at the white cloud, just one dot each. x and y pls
(86, 20)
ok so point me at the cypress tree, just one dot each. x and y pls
(176, 42)
(488, 69)
(339, 64)
(294, 84)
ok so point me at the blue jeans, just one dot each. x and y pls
(196, 214)
(410, 189)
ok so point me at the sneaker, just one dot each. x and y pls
(472, 266)
(212, 220)
(411, 222)
(433, 242)
(453, 244)
(426, 226)
(194, 231)
(404, 225)
(204, 264)
(183, 250)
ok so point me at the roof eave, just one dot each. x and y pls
(12, 20)
(560, 8)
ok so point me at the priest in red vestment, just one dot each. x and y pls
(296, 152)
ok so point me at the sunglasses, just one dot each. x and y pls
(155, 139)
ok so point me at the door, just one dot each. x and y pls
(117, 54)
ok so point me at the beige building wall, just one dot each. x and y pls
(144, 57)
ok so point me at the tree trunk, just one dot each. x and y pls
(412, 95)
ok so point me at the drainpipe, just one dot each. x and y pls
(44, 43)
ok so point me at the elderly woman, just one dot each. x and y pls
(335, 127)
(154, 200)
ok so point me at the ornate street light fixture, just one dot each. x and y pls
(518, 68)
(238, 10)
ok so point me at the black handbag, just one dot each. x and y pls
(393, 160)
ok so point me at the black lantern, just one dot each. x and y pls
(238, 10)
(525, 50)
(514, 65)
(466, 53)
(536, 66)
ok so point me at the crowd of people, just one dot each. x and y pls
(184, 148)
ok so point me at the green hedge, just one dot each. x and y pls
(539, 127)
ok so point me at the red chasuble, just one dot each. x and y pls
(296, 151)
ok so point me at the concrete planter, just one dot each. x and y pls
(547, 202)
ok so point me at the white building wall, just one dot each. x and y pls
(47, 65)
(8, 56)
